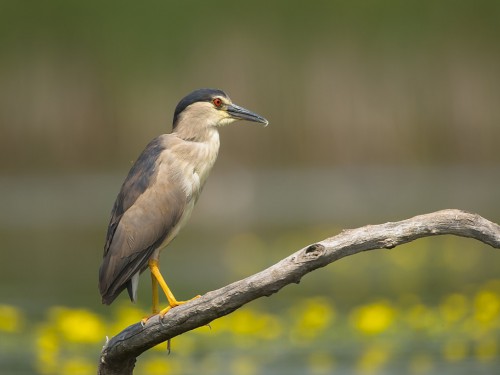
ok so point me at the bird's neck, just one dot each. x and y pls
(198, 152)
(200, 147)
(188, 133)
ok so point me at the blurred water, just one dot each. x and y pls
(340, 196)
(54, 226)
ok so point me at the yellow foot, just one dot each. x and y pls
(146, 318)
(175, 304)
(166, 309)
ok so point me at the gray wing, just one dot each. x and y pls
(147, 208)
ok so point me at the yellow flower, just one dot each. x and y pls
(250, 322)
(47, 350)
(487, 308)
(453, 308)
(312, 317)
(160, 366)
(125, 315)
(374, 318)
(421, 317)
(10, 319)
(77, 366)
(243, 322)
(271, 327)
(78, 325)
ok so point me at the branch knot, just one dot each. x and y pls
(314, 251)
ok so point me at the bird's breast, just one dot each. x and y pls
(185, 168)
(202, 156)
(189, 163)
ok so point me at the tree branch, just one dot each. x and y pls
(120, 352)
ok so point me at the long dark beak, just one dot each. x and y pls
(244, 114)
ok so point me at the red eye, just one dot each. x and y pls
(217, 102)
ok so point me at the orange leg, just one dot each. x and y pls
(156, 298)
(157, 279)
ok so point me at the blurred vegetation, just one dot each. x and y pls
(459, 335)
(378, 111)
(86, 84)
(428, 307)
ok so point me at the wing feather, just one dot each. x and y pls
(147, 209)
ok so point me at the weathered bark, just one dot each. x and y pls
(120, 352)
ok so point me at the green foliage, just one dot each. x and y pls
(336, 79)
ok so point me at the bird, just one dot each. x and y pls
(158, 195)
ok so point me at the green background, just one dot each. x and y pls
(378, 110)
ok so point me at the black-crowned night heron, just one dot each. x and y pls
(160, 191)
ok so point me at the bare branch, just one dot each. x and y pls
(120, 353)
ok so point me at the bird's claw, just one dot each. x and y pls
(163, 312)
(175, 304)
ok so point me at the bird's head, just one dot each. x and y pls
(211, 108)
